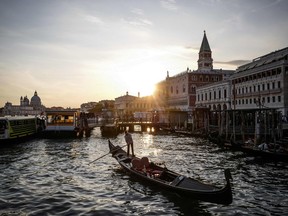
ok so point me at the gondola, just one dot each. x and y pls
(269, 154)
(164, 178)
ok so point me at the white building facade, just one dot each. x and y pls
(262, 83)
(216, 96)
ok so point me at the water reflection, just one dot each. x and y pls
(54, 177)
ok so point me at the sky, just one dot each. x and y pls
(77, 51)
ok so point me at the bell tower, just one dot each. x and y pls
(205, 61)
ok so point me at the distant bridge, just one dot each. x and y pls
(112, 127)
(140, 126)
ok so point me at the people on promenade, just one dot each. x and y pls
(129, 141)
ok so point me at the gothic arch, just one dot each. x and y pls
(219, 107)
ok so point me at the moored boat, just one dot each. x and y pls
(19, 128)
(154, 174)
(272, 153)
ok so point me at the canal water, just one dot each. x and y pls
(54, 177)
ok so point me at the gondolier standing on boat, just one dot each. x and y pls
(129, 141)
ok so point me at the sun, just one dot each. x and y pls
(142, 80)
(141, 73)
(147, 90)
(144, 87)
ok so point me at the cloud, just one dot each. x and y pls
(137, 11)
(169, 4)
(140, 22)
(233, 62)
(268, 5)
(137, 19)
(93, 19)
(193, 49)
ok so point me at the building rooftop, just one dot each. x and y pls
(265, 59)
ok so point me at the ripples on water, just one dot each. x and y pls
(53, 177)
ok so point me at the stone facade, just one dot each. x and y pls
(179, 91)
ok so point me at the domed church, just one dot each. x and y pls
(26, 107)
(35, 101)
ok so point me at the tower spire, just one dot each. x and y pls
(205, 61)
(205, 45)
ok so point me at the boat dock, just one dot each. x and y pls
(69, 123)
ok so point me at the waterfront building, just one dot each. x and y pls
(26, 107)
(177, 91)
(86, 107)
(215, 96)
(107, 109)
(123, 107)
(180, 90)
(253, 93)
(262, 83)
(134, 108)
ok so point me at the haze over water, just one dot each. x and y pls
(52, 177)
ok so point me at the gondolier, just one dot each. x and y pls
(129, 141)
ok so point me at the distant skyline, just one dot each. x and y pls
(75, 51)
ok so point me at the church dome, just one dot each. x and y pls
(35, 100)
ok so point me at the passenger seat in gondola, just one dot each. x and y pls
(139, 164)
(136, 164)
(146, 164)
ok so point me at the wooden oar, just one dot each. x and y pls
(107, 154)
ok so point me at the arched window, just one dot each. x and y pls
(193, 89)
